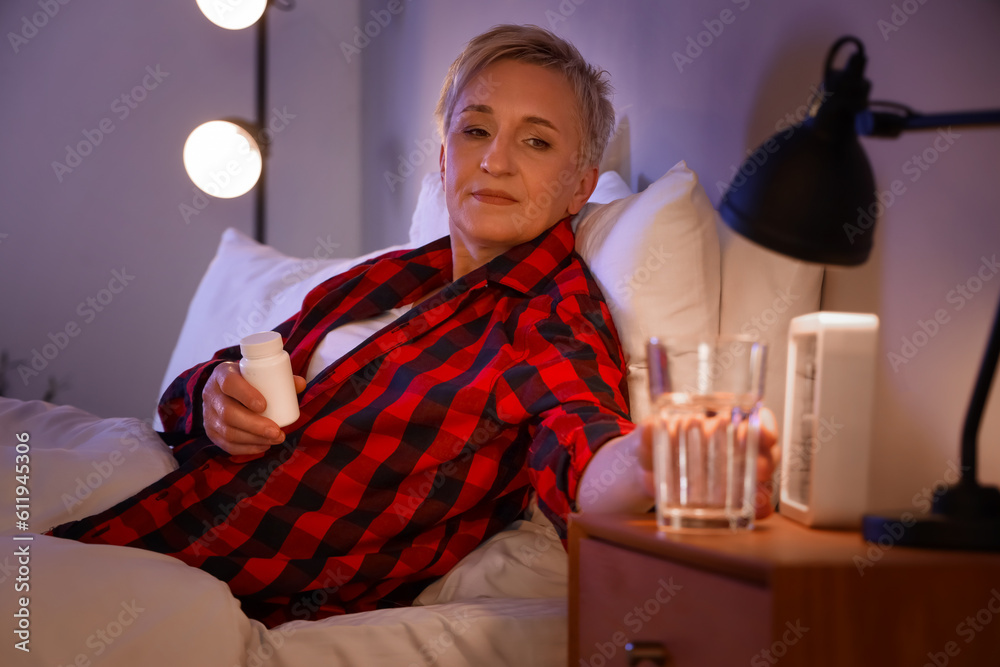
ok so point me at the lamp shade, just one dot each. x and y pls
(232, 15)
(222, 158)
(808, 193)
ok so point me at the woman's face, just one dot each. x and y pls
(509, 161)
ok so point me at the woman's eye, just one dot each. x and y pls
(535, 142)
(475, 132)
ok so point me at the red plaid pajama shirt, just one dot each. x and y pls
(411, 450)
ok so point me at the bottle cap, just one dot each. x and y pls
(260, 345)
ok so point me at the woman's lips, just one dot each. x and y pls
(498, 197)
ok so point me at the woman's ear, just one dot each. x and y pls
(584, 188)
(441, 164)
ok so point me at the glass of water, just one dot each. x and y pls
(706, 395)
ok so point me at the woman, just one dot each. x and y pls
(476, 370)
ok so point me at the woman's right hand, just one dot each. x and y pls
(231, 409)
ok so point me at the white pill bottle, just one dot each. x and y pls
(266, 366)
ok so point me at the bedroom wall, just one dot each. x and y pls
(99, 262)
(756, 65)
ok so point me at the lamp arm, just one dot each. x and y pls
(892, 124)
(888, 124)
(977, 405)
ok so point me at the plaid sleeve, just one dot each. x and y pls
(574, 389)
(180, 406)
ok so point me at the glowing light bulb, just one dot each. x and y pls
(232, 14)
(222, 159)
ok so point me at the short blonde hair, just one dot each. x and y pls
(536, 46)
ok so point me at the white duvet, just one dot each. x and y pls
(68, 603)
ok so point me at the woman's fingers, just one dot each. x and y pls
(768, 430)
(230, 411)
(766, 461)
(645, 451)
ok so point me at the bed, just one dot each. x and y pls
(658, 258)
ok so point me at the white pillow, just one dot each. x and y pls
(655, 255)
(430, 217)
(85, 464)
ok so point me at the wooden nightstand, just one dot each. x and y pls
(780, 594)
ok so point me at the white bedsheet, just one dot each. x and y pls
(505, 604)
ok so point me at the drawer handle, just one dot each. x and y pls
(655, 652)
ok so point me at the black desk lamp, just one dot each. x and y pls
(799, 194)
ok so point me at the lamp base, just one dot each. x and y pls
(965, 516)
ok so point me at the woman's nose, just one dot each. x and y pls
(498, 159)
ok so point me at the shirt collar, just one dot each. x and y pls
(525, 267)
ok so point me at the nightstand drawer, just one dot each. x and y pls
(700, 618)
